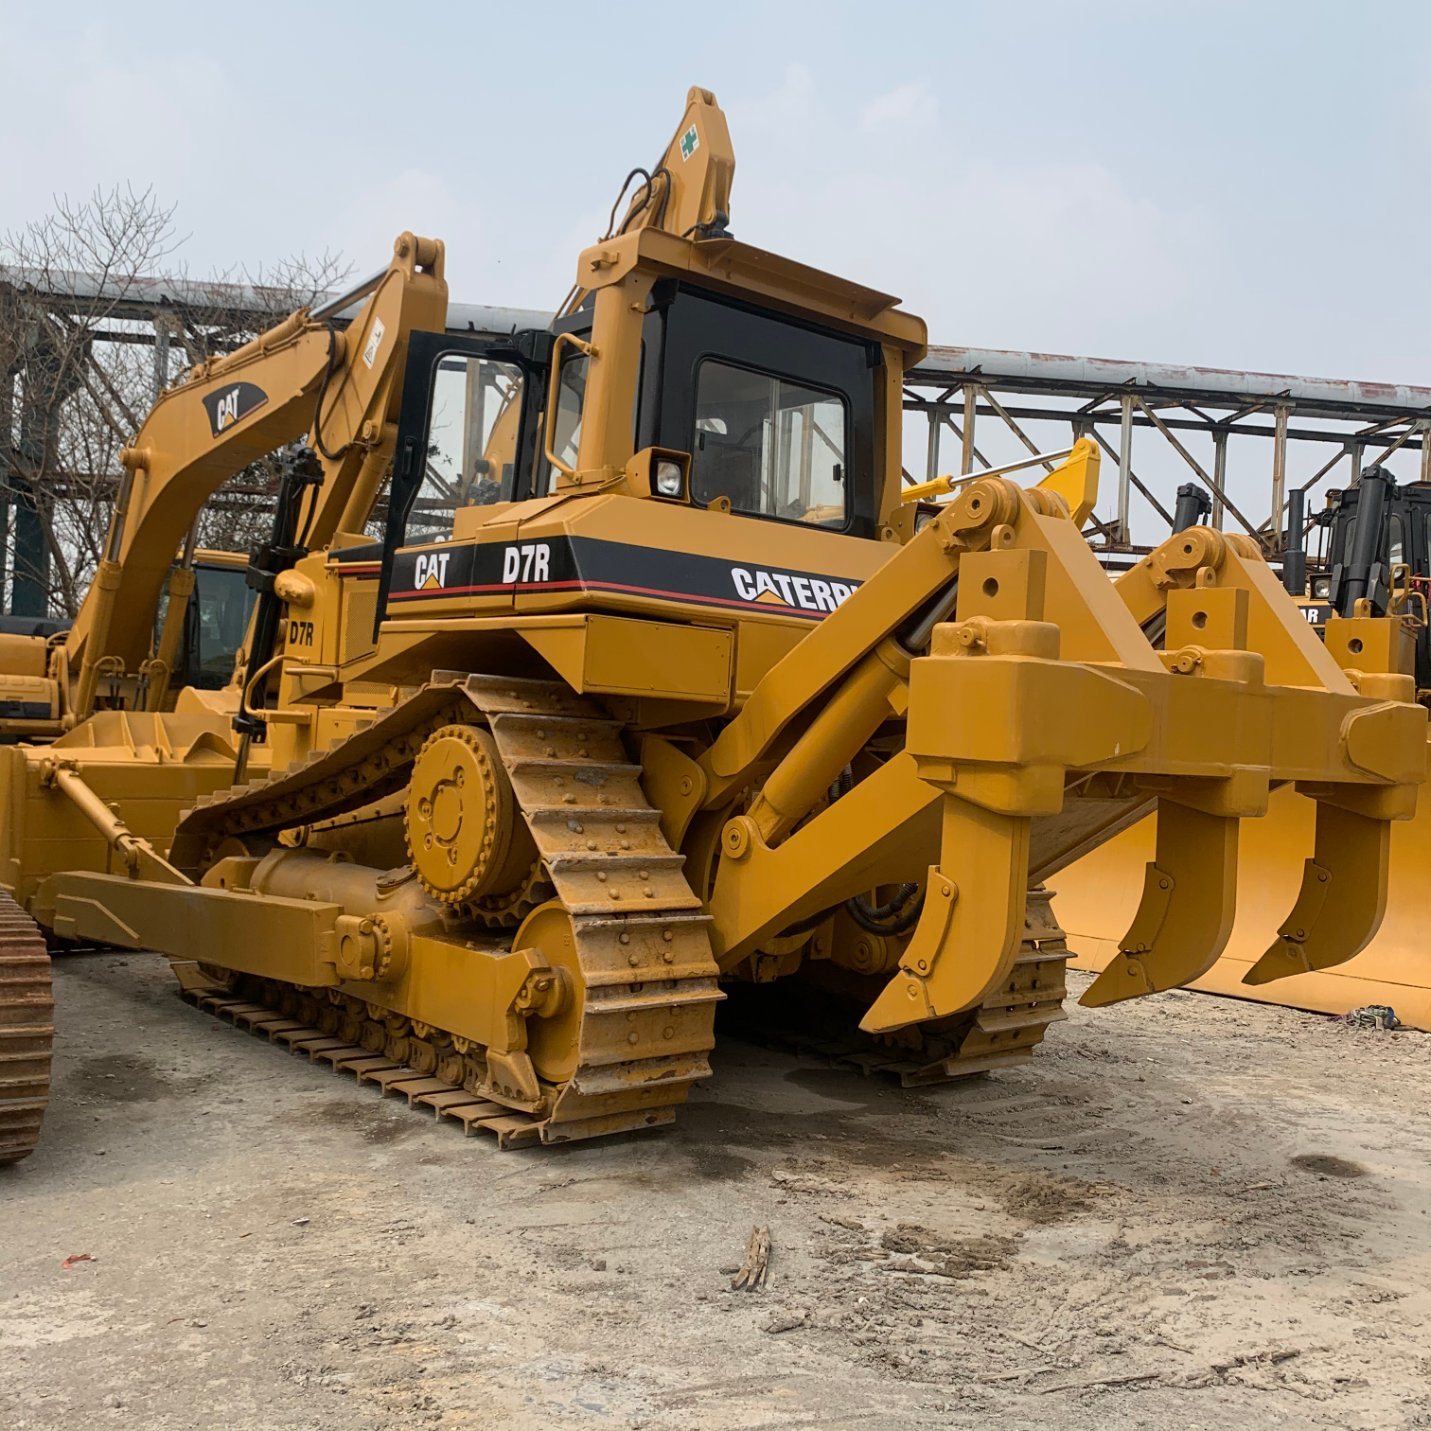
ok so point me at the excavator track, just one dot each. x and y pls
(27, 1031)
(643, 964)
(1002, 1033)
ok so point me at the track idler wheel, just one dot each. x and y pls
(554, 1005)
(465, 833)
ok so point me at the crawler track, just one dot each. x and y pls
(422, 1090)
(641, 963)
(1002, 1033)
(642, 957)
(27, 1031)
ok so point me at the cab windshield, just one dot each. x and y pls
(772, 446)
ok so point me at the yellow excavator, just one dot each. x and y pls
(1369, 603)
(687, 694)
(196, 647)
(300, 379)
(116, 746)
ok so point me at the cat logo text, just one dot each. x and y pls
(431, 571)
(231, 404)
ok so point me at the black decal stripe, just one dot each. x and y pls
(575, 564)
(687, 598)
(234, 401)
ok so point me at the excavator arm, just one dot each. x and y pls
(304, 376)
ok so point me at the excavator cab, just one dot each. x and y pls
(215, 622)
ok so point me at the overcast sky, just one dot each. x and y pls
(1242, 185)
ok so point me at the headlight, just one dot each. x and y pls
(668, 478)
(660, 472)
(1322, 588)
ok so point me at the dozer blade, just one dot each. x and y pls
(1186, 913)
(1341, 901)
(969, 931)
(1095, 898)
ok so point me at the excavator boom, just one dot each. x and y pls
(304, 377)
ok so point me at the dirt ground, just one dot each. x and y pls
(1185, 1212)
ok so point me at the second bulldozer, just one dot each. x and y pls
(693, 694)
(1369, 603)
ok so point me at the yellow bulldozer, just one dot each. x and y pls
(662, 684)
(1368, 601)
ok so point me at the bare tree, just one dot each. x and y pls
(241, 512)
(64, 414)
(95, 319)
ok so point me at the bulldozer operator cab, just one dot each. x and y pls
(777, 418)
(716, 405)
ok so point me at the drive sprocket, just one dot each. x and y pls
(465, 833)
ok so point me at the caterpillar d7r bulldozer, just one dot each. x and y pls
(1369, 603)
(707, 698)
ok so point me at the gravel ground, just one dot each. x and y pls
(1185, 1212)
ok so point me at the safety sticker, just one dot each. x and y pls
(375, 341)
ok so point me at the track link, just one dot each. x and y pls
(1002, 1033)
(27, 1031)
(422, 1090)
(642, 958)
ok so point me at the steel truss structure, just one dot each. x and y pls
(1291, 434)
(1253, 441)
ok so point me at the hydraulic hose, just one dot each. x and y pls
(898, 914)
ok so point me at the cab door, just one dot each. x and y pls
(467, 436)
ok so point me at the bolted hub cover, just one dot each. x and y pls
(465, 834)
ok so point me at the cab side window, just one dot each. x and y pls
(471, 441)
(772, 446)
(566, 428)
